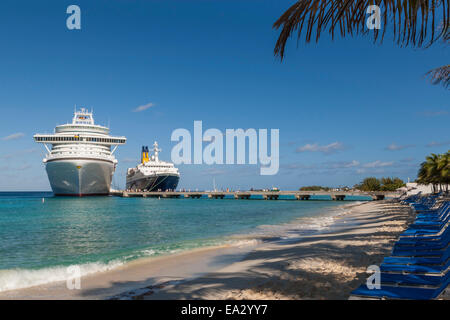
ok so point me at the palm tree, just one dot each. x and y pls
(443, 166)
(422, 175)
(441, 74)
(414, 23)
(435, 170)
(426, 173)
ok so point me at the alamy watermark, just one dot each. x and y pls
(73, 22)
(374, 280)
(374, 20)
(73, 281)
(235, 140)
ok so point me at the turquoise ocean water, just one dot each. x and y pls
(40, 238)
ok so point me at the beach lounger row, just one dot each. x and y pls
(419, 266)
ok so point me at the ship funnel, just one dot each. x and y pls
(143, 158)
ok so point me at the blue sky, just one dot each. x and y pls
(346, 109)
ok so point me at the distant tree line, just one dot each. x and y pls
(435, 170)
(383, 184)
(314, 188)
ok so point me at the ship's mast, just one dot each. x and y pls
(156, 151)
(83, 117)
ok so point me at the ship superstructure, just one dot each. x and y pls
(80, 159)
(152, 174)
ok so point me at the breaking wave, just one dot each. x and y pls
(24, 278)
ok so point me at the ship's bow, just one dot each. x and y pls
(80, 177)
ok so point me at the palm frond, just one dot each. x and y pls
(446, 32)
(440, 75)
(410, 20)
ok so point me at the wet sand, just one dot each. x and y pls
(129, 279)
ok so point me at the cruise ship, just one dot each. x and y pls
(80, 159)
(152, 174)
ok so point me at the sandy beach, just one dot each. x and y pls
(325, 266)
(328, 265)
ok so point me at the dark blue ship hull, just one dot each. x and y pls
(155, 183)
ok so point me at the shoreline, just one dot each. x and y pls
(168, 276)
(325, 265)
(25, 281)
(130, 277)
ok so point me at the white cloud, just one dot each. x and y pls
(213, 172)
(13, 136)
(19, 153)
(378, 164)
(129, 160)
(436, 113)
(395, 147)
(330, 148)
(297, 166)
(144, 107)
(438, 144)
(342, 164)
(345, 167)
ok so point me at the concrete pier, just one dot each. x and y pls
(303, 196)
(270, 196)
(338, 197)
(242, 196)
(196, 195)
(216, 195)
(378, 197)
(246, 195)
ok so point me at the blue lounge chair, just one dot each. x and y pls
(427, 260)
(412, 199)
(414, 279)
(424, 237)
(418, 251)
(432, 225)
(400, 292)
(437, 269)
(419, 267)
(431, 212)
(434, 214)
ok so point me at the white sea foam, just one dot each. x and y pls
(148, 252)
(241, 243)
(24, 278)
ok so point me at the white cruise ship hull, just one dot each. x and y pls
(80, 177)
